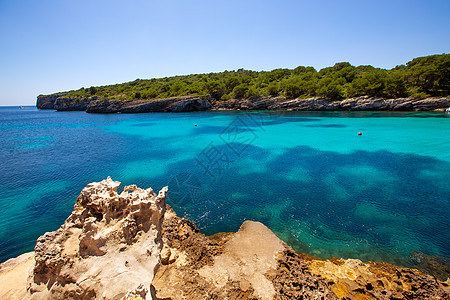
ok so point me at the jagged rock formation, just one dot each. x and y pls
(47, 101)
(321, 104)
(191, 103)
(109, 246)
(72, 104)
(176, 104)
(114, 246)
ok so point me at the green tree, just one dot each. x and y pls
(395, 86)
(273, 89)
(330, 89)
(240, 91)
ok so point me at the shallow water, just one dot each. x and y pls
(307, 175)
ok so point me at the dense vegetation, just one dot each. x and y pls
(421, 77)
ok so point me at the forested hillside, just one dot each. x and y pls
(421, 77)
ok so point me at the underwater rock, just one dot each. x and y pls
(431, 264)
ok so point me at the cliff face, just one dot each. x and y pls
(320, 104)
(101, 105)
(47, 101)
(132, 246)
(72, 104)
(188, 103)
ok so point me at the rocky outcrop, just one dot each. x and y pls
(107, 248)
(101, 105)
(133, 246)
(47, 101)
(189, 105)
(177, 104)
(72, 104)
(321, 104)
(105, 106)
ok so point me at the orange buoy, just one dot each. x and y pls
(360, 133)
(195, 124)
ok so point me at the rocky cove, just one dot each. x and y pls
(192, 103)
(131, 245)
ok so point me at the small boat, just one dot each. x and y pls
(447, 110)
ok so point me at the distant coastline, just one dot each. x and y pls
(192, 103)
(421, 84)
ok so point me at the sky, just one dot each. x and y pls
(49, 46)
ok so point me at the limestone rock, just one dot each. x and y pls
(72, 103)
(189, 105)
(97, 104)
(47, 101)
(109, 246)
(13, 276)
(320, 104)
(353, 279)
(249, 264)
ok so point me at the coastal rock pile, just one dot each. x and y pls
(107, 248)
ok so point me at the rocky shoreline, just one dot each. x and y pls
(191, 103)
(131, 245)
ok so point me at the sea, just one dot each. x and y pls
(367, 185)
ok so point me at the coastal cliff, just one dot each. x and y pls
(192, 103)
(47, 101)
(131, 245)
(321, 104)
(100, 105)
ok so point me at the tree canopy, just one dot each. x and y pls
(421, 77)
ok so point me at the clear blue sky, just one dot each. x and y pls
(48, 46)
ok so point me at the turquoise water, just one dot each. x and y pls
(307, 175)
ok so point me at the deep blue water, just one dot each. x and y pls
(307, 175)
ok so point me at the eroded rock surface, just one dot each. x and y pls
(250, 264)
(47, 101)
(320, 104)
(14, 275)
(353, 279)
(109, 246)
